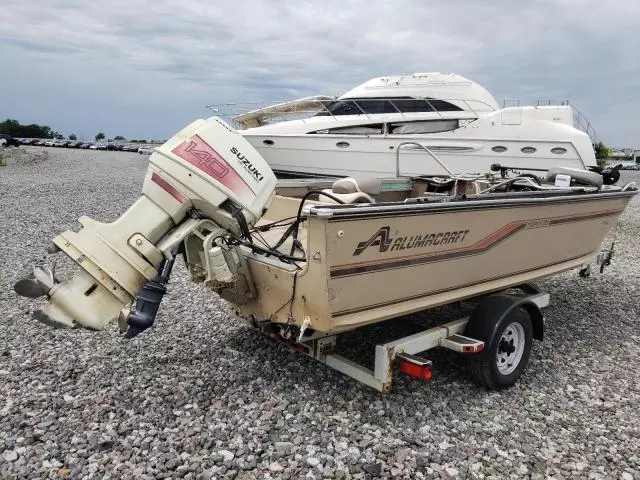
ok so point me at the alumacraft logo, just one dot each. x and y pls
(247, 164)
(384, 242)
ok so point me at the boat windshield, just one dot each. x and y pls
(358, 106)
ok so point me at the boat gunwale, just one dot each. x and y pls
(471, 202)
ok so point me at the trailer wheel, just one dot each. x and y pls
(507, 355)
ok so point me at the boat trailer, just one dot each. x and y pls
(496, 337)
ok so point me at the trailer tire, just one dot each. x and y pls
(500, 365)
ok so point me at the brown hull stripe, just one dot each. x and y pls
(445, 290)
(477, 248)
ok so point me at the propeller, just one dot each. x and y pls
(38, 283)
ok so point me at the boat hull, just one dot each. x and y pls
(343, 156)
(378, 262)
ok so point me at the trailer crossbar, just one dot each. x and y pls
(447, 335)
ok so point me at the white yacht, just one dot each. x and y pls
(416, 124)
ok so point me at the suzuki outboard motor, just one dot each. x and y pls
(189, 186)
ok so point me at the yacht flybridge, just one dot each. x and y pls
(413, 125)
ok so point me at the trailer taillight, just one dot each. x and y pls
(415, 366)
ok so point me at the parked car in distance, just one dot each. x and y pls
(630, 166)
(8, 141)
(130, 148)
(145, 150)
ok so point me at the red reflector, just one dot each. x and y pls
(473, 348)
(422, 372)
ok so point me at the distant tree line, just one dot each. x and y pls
(15, 129)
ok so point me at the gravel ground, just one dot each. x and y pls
(199, 396)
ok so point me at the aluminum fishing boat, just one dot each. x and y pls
(306, 260)
(410, 249)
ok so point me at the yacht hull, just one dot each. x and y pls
(343, 156)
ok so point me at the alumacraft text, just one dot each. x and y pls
(382, 239)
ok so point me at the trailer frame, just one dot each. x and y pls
(405, 350)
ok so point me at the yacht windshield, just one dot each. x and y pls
(359, 106)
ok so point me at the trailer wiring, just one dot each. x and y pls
(292, 231)
(268, 226)
(293, 228)
(236, 212)
(290, 301)
(231, 241)
(242, 222)
(296, 243)
(262, 240)
(293, 295)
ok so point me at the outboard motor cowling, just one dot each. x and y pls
(207, 170)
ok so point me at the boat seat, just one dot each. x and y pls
(351, 190)
(582, 176)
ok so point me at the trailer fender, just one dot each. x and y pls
(485, 318)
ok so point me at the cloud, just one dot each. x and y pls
(146, 69)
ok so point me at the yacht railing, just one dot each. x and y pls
(240, 113)
(581, 122)
(510, 103)
(551, 102)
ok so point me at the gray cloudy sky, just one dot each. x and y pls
(146, 69)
